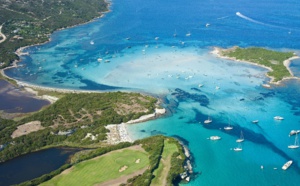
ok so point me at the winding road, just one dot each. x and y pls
(2, 35)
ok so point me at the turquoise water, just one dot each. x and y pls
(133, 47)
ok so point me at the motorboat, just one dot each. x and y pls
(214, 137)
(287, 165)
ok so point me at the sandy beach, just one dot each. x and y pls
(118, 132)
(218, 53)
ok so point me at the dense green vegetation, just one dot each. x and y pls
(79, 114)
(28, 22)
(261, 56)
(154, 146)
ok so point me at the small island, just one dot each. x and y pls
(277, 62)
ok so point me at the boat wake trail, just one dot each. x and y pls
(261, 23)
(249, 19)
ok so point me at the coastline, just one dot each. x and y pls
(19, 52)
(119, 133)
(217, 51)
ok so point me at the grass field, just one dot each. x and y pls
(161, 172)
(101, 169)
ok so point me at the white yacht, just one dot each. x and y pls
(215, 138)
(92, 42)
(287, 165)
(207, 25)
(278, 118)
(188, 34)
(255, 121)
(156, 38)
(241, 139)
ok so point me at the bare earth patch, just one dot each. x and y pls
(138, 161)
(124, 109)
(123, 168)
(27, 128)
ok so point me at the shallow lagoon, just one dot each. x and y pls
(13, 100)
(173, 67)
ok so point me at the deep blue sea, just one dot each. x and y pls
(164, 48)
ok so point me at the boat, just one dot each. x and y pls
(92, 42)
(156, 38)
(241, 139)
(293, 132)
(238, 148)
(287, 165)
(188, 34)
(99, 60)
(296, 143)
(207, 25)
(209, 120)
(278, 118)
(261, 167)
(255, 121)
(175, 34)
(266, 85)
(214, 137)
(200, 85)
(229, 127)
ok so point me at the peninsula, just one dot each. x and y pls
(276, 62)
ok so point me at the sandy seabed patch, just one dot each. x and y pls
(27, 128)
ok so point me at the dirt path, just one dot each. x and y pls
(2, 35)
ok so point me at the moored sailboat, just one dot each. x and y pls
(209, 120)
(238, 148)
(296, 143)
(229, 127)
(241, 139)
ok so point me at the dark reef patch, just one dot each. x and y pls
(182, 95)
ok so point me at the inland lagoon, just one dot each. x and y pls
(33, 165)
